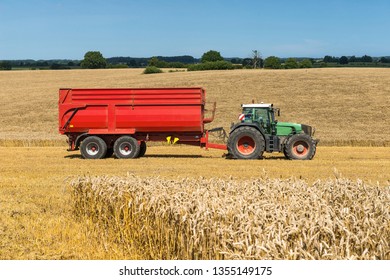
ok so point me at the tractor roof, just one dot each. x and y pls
(262, 105)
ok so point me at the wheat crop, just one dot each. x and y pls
(228, 219)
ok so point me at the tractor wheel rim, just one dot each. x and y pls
(92, 149)
(125, 149)
(246, 145)
(300, 148)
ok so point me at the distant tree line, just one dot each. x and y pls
(5, 65)
(352, 59)
(163, 61)
(210, 60)
(39, 64)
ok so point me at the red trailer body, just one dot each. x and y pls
(145, 114)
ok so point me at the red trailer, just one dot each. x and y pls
(101, 122)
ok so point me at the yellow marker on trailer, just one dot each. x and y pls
(169, 138)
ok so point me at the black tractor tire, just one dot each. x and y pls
(300, 147)
(93, 147)
(126, 147)
(246, 143)
(142, 149)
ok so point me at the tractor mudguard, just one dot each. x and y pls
(237, 125)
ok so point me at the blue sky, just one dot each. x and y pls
(43, 29)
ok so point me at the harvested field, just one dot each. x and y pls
(347, 106)
(343, 104)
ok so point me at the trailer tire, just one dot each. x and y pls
(142, 149)
(93, 147)
(246, 143)
(126, 147)
(300, 147)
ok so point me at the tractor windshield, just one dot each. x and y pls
(262, 115)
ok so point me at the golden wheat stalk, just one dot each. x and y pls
(228, 219)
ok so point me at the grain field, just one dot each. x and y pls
(347, 106)
(346, 185)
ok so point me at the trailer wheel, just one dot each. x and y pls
(142, 149)
(300, 146)
(126, 147)
(246, 143)
(93, 147)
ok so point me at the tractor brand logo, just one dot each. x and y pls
(241, 117)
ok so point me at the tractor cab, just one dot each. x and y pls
(261, 114)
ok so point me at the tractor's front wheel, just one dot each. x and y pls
(300, 146)
(246, 143)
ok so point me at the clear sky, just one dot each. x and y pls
(59, 29)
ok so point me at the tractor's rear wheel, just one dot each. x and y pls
(93, 147)
(246, 143)
(126, 147)
(300, 146)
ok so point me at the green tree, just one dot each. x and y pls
(328, 58)
(291, 63)
(247, 63)
(93, 60)
(367, 58)
(153, 61)
(352, 59)
(211, 56)
(152, 70)
(343, 60)
(272, 62)
(5, 65)
(216, 65)
(306, 63)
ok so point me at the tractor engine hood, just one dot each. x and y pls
(287, 128)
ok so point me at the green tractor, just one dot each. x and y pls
(258, 131)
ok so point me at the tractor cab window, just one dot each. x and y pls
(248, 112)
(261, 115)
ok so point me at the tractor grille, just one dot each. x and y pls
(307, 129)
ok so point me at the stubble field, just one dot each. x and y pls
(347, 106)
